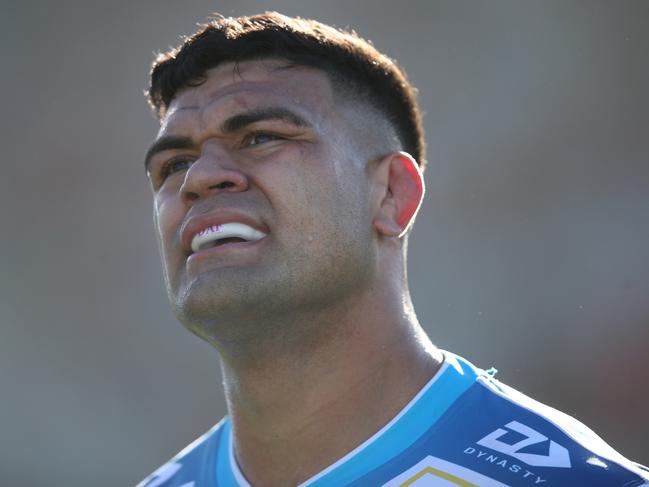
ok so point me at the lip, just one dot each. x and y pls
(237, 253)
(196, 224)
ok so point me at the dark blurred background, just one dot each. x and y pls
(531, 253)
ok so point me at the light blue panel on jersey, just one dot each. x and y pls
(192, 467)
(224, 475)
(417, 417)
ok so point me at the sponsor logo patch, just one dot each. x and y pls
(557, 455)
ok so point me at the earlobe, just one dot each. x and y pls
(402, 194)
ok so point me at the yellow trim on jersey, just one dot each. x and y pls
(439, 474)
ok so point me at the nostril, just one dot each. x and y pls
(223, 185)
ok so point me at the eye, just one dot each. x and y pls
(173, 166)
(258, 138)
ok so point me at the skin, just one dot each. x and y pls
(323, 299)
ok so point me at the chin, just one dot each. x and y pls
(209, 299)
(216, 308)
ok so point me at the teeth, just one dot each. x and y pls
(207, 237)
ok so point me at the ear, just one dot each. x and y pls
(401, 190)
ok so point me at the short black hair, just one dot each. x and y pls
(350, 61)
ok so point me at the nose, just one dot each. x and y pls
(209, 175)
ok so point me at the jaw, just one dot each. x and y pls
(252, 318)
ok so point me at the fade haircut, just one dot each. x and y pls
(352, 64)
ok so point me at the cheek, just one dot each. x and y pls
(167, 217)
(330, 214)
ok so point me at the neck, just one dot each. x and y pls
(296, 412)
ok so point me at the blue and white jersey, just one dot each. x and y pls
(464, 428)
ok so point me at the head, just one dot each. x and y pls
(305, 138)
(354, 67)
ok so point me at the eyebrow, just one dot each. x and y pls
(168, 142)
(239, 121)
(230, 125)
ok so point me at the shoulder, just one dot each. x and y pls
(467, 428)
(192, 466)
(517, 440)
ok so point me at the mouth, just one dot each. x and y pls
(226, 233)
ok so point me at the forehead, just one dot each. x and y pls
(231, 88)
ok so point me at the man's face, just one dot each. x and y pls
(259, 170)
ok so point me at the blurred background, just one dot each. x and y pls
(531, 253)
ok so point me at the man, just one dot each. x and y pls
(286, 174)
